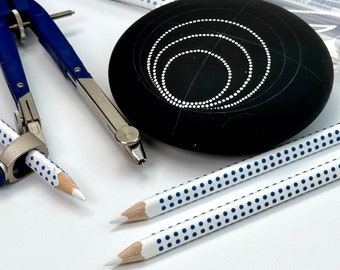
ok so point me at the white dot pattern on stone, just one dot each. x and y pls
(221, 100)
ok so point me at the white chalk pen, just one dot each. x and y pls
(50, 172)
(231, 175)
(146, 4)
(229, 213)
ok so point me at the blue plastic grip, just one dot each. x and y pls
(2, 178)
(55, 42)
(10, 62)
(4, 8)
(20, 5)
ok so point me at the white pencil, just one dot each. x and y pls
(231, 175)
(43, 166)
(229, 213)
(146, 4)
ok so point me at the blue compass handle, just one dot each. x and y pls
(55, 42)
(49, 36)
(10, 61)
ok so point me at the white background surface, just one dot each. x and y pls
(42, 228)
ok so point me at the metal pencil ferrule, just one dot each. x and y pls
(12, 163)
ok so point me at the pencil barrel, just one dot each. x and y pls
(242, 171)
(240, 209)
(7, 134)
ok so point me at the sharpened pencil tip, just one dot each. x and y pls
(66, 184)
(78, 194)
(118, 220)
(114, 263)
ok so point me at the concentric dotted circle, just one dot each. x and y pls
(219, 101)
(201, 104)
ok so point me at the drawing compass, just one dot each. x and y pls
(15, 16)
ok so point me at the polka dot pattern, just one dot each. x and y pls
(7, 134)
(239, 172)
(47, 170)
(244, 207)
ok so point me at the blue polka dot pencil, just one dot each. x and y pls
(229, 213)
(224, 178)
(43, 166)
